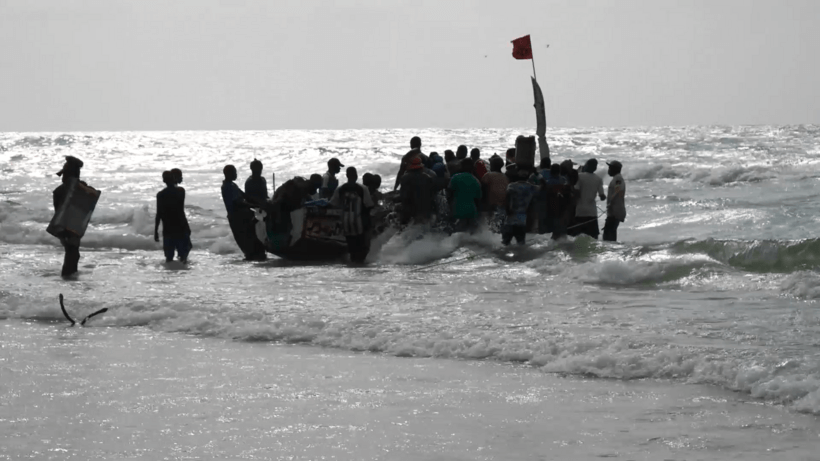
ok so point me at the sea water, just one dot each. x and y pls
(693, 337)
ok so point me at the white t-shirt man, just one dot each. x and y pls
(588, 184)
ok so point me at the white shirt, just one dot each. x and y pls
(589, 185)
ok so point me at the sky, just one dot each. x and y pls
(100, 65)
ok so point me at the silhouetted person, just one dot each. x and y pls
(417, 192)
(461, 152)
(240, 217)
(171, 213)
(451, 163)
(255, 186)
(479, 165)
(415, 151)
(176, 173)
(329, 180)
(355, 202)
(586, 211)
(494, 186)
(465, 196)
(70, 242)
(615, 207)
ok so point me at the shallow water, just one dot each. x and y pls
(711, 291)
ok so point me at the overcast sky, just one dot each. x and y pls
(232, 64)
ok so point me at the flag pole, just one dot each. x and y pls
(533, 67)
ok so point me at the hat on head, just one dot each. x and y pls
(71, 167)
(334, 162)
(615, 164)
(415, 164)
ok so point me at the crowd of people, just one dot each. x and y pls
(457, 192)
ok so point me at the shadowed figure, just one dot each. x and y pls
(71, 243)
(176, 234)
(256, 186)
(240, 217)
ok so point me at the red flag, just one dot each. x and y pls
(522, 48)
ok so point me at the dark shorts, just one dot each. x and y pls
(182, 246)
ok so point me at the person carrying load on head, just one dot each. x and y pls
(176, 234)
(355, 202)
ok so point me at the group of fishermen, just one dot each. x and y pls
(462, 193)
(457, 192)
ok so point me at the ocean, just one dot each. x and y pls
(696, 336)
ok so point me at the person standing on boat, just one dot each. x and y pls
(417, 194)
(615, 207)
(415, 151)
(176, 234)
(329, 181)
(240, 217)
(355, 202)
(465, 196)
(255, 186)
(586, 211)
(71, 243)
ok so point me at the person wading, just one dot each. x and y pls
(615, 207)
(171, 214)
(465, 196)
(355, 202)
(586, 211)
(240, 217)
(519, 196)
(417, 194)
(70, 242)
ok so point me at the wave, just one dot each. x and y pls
(719, 176)
(759, 255)
(793, 382)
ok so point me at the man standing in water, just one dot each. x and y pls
(355, 202)
(465, 193)
(255, 186)
(176, 234)
(615, 207)
(586, 211)
(240, 217)
(519, 196)
(71, 243)
(417, 194)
